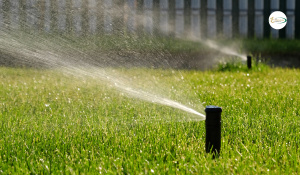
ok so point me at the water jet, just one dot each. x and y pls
(213, 129)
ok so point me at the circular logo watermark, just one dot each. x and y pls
(277, 20)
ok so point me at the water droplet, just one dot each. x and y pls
(47, 105)
(152, 170)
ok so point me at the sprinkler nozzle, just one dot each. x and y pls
(213, 129)
(249, 62)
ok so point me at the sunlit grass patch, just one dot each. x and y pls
(56, 123)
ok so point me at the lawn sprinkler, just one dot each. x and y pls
(249, 62)
(213, 129)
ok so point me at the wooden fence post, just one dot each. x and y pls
(61, 19)
(14, 14)
(164, 16)
(227, 18)
(148, 16)
(47, 16)
(77, 21)
(243, 18)
(211, 19)
(92, 13)
(179, 19)
(259, 18)
(107, 16)
(131, 16)
(1, 14)
(290, 14)
(32, 15)
(195, 19)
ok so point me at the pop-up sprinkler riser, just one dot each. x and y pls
(213, 129)
(249, 62)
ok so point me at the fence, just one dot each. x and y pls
(182, 18)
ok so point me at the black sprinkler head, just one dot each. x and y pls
(249, 62)
(213, 130)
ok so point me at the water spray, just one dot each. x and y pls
(213, 129)
(249, 62)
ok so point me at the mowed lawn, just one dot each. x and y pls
(51, 123)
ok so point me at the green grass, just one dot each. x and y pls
(51, 123)
(236, 65)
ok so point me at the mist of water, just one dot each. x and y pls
(32, 48)
(143, 95)
(225, 50)
(61, 52)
